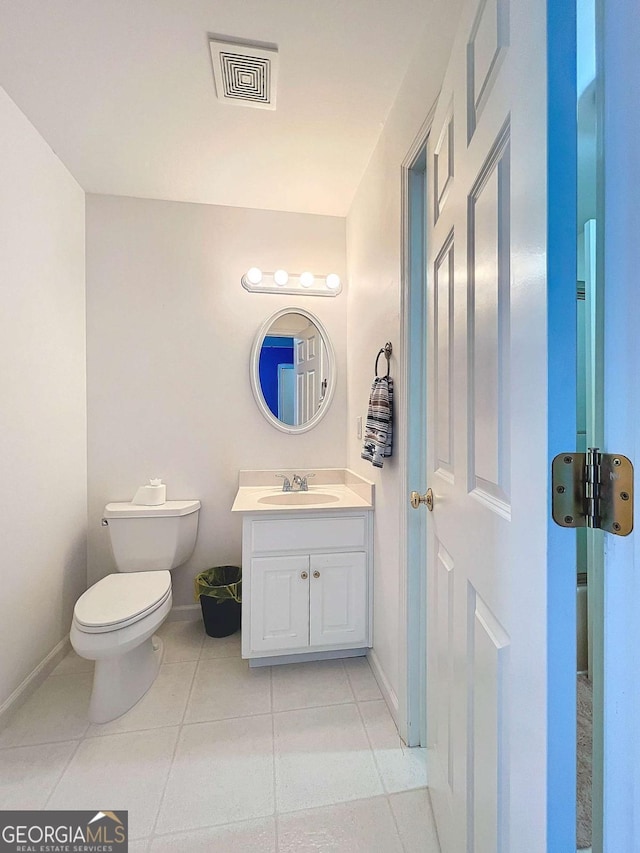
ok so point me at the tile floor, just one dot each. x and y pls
(221, 758)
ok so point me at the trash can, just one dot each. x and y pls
(220, 592)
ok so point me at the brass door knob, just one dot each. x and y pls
(427, 498)
(304, 575)
(316, 574)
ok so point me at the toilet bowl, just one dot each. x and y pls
(114, 620)
(113, 624)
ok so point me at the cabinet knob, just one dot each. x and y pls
(304, 575)
(316, 574)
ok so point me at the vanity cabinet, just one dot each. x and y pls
(306, 585)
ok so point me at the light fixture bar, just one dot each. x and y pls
(281, 281)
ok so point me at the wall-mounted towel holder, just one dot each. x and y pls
(386, 350)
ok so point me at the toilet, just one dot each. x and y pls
(114, 620)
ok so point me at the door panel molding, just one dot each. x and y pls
(488, 779)
(444, 293)
(488, 331)
(443, 165)
(486, 51)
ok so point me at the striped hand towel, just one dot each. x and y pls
(378, 434)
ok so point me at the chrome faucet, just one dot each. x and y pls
(286, 485)
(301, 482)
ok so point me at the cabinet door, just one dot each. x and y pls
(338, 600)
(279, 603)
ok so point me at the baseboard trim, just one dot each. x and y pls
(388, 694)
(31, 683)
(185, 612)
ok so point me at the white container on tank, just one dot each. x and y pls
(153, 494)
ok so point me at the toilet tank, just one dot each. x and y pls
(152, 538)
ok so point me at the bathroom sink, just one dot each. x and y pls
(298, 498)
(259, 492)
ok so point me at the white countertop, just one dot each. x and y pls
(358, 494)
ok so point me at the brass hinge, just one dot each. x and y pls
(593, 489)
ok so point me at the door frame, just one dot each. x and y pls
(562, 232)
(413, 362)
(616, 693)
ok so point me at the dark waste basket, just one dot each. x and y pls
(220, 592)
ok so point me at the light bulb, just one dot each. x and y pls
(333, 281)
(306, 279)
(281, 277)
(254, 275)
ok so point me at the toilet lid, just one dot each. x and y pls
(122, 598)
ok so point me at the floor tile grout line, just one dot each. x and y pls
(275, 775)
(173, 754)
(166, 782)
(365, 658)
(276, 831)
(373, 752)
(89, 735)
(433, 818)
(296, 811)
(271, 690)
(64, 770)
(395, 823)
(209, 826)
(190, 693)
(349, 684)
(5, 749)
(315, 707)
(202, 639)
(166, 642)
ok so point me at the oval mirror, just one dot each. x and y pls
(293, 372)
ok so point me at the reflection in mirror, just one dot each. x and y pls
(291, 370)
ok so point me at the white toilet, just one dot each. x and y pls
(114, 620)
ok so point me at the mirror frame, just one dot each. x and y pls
(254, 367)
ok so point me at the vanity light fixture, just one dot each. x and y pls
(281, 281)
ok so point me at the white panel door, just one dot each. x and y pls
(488, 438)
(279, 603)
(308, 366)
(338, 601)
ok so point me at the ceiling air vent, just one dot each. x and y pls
(245, 75)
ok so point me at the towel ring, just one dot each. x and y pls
(386, 350)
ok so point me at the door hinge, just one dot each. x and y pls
(593, 489)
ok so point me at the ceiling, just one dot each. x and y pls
(122, 90)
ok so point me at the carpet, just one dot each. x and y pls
(585, 750)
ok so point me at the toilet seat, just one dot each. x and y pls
(119, 600)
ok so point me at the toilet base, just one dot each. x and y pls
(121, 681)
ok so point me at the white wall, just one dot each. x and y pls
(42, 388)
(170, 330)
(374, 300)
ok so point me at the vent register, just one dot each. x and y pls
(245, 75)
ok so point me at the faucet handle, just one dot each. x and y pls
(304, 486)
(286, 485)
